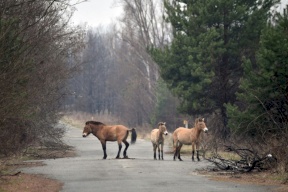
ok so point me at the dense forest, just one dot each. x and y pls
(163, 60)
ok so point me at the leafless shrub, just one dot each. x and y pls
(17, 135)
(36, 42)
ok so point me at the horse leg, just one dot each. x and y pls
(159, 151)
(193, 151)
(125, 150)
(154, 150)
(119, 147)
(175, 152)
(175, 145)
(197, 154)
(104, 149)
(179, 149)
(197, 151)
(162, 151)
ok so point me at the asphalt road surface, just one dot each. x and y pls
(88, 172)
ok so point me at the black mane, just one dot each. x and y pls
(94, 123)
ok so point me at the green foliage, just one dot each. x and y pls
(163, 108)
(263, 90)
(202, 66)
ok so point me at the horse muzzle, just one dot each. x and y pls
(165, 133)
(84, 134)
(205, 130)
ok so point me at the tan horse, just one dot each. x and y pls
(184, 136)
(105, 133)
(157, 139)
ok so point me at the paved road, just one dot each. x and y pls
(89, 173)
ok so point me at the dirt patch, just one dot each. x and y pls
(29, 183)
(255, 178)
(12, 180)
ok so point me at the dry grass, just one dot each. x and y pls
(78, 119)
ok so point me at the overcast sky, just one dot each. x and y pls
(96, 12)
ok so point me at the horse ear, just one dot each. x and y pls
(201, 119)
(164, 123)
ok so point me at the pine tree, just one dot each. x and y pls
(263, 98)
(202, 66)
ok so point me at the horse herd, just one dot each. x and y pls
(181, 136)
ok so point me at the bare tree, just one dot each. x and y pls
(119, 76)
(143, 26)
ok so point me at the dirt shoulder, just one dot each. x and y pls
(12, 180)
(254, 178)
(29, 183)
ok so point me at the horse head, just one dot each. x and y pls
(162, 128)
(87, 130)
(200, 124)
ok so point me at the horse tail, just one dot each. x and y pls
(174, 145)
(174, 140)
(133, 135)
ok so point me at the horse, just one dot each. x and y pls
(157, 139)
(189, 137)
(105, 133)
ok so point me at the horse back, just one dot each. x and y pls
(182, 135)
(114, 132)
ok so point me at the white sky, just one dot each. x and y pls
(103, 12)
(96, 12)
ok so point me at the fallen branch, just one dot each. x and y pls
(14, 174)
(249, 161)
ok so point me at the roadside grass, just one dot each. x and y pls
(281, 177)
(77, 119)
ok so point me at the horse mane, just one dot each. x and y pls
(199, 119)
(94, 123)
(161, 123)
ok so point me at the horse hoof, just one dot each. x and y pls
(126, 157)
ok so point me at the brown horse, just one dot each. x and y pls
(105, 133)
(188, 137)
(157, 139)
